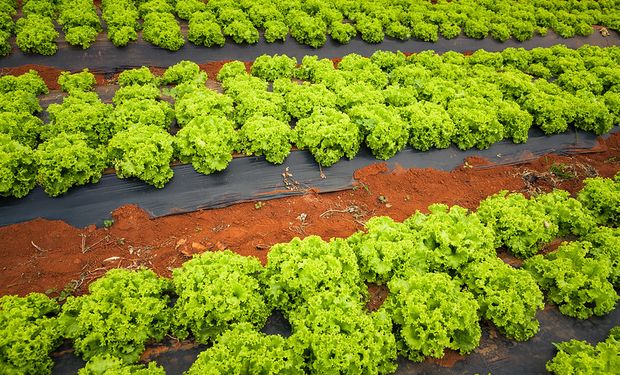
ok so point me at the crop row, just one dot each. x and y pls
(35, 29)
(579, 357)
(308, 22)
(386, 101)
(441, 269)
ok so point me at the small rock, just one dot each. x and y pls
(180, 243)
(198, 246)
(186, 252)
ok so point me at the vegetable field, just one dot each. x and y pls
(324, 187)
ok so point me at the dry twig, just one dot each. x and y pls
(354, 210)
(39, 249)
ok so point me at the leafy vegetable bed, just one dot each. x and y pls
(441, 270)
(386, 101)
(309, 23)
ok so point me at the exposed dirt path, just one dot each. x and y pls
(42, 254)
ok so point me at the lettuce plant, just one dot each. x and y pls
(370, 29)
(183, 71)
(144, 152)
(552, 112)
(29, 82)
(136, 112)
(204, 30)
(19, 101)
(606, 244)
(476, 122)
(273, 67)
(202, 102)
(386, 249)
(337, 336)
(602, 197)
(76, 82)
(217, 291)
(576, 283)
(508, 297)
(18, 168)
(185, 9)
(29, 332)
(579, 357)
(275, 30)
(107, 364)
(265, 135)
(81, 112)
(122, 312)
(515, 120)
(387, 60)
(431, 313)
(162, 30)
(307, 29)
(591, 113)
(148, 92)
(137, 76)
(36, 34)
(570, 215)
(207, 142)
(21, 127)
(299, 269)
(357, 93)
(358, 68)
(329, 135)
(79, 21)
(244, 350)
(67, 160)
(521, 225)
(302, 100)
(121, 18)
(430, 126)
(452, 236)
(230, 70)
(242, 31)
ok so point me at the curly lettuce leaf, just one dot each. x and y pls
(218, 290)
(122, 312)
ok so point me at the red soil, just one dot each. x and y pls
(42, 254)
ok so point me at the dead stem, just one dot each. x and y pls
(356, 212)
(589, 171)
(39, 249)
(85, 248)
(301, 228)
(531, 177)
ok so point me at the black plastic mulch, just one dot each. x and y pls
(253, 178)
(104, 57)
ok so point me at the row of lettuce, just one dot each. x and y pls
(441, 269)
(308, 22)
(579, 357)
(36, 31)
(387, 101)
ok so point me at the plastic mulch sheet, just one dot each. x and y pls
(253, 178)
